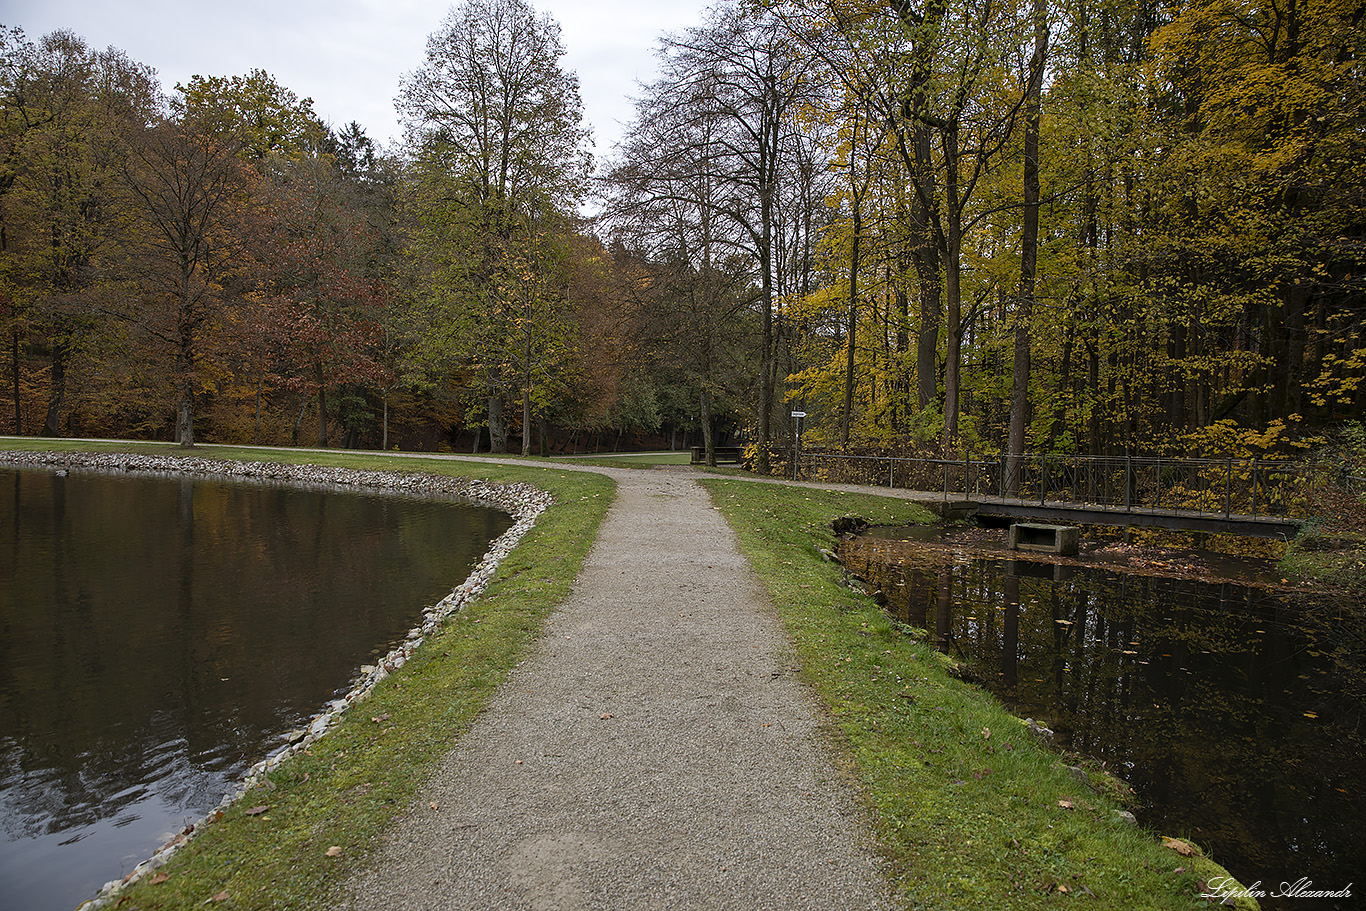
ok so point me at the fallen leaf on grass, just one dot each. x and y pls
(1065, 804)
(1177, 845)
(334, 851)
(257, 811)
(377, 719)
(220, 897)
(159, 878)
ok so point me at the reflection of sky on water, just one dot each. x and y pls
(159, 636)
(1234, 711)
(65, 831)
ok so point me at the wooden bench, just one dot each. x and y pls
(729, 455)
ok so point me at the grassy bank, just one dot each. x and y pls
(324, 808)
(971, 810)
(1330, 549)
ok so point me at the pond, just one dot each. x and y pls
(1233, 705)
(160, 635)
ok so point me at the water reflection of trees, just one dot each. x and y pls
(159, 635)
(1234, 712)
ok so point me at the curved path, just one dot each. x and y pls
(653, 751)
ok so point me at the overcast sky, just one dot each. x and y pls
(349, 55)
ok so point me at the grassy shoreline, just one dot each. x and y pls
(971, 811)
(324, 807)
(965, 805)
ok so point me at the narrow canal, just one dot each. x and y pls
(159, 635)
(1232, 705)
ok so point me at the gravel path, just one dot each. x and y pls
(654, 750)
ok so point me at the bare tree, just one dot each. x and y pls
(495, 128)
(733, 87)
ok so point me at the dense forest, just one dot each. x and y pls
(1004, 226)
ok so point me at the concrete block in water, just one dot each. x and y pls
(1048, 539)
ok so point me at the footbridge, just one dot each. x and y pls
(1265, 498)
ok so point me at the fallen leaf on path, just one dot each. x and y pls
(605, 715)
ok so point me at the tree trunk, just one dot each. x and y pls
(526, 421)
(1029, 250)
(953, 315)
(322, 405)
(184, 426)
(184, 431)
(14, 362)
(526, 386)
(498, 431)
(1296, 340)
(299, 420)
(260, 389)
(853, 324)
(900, 391)
(56, 389)
(708, 442)
(765, 406)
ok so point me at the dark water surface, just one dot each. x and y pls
(157, 636)
(1235, 712)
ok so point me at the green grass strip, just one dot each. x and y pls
(970, 809)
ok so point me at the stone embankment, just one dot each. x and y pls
(522, 501)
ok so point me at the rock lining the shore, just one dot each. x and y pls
(523, 502)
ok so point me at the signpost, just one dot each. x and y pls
(797, 441)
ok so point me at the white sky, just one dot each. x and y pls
(349, 55)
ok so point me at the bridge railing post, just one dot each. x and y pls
(1228, 489)
(1254, 485)
(1043, 478)
(1128, 480)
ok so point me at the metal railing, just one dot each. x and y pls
(1244, 487)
